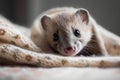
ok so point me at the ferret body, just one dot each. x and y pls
(71, 31)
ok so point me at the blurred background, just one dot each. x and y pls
(23, 12)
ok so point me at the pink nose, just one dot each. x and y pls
(69, 50)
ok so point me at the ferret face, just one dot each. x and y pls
(67, 33)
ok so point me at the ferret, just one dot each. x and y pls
(72, 31)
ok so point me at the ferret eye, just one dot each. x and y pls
(55, 37)
(77, 33)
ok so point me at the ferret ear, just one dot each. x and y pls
(45, 22)
(84, 14)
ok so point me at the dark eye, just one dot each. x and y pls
(55, 37)
(77, 33)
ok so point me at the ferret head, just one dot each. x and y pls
(67, 33)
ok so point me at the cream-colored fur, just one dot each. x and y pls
(105, 42)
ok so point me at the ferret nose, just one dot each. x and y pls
(69, 50)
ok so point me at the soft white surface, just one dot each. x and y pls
(24, 73)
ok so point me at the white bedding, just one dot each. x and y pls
(69, 73)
